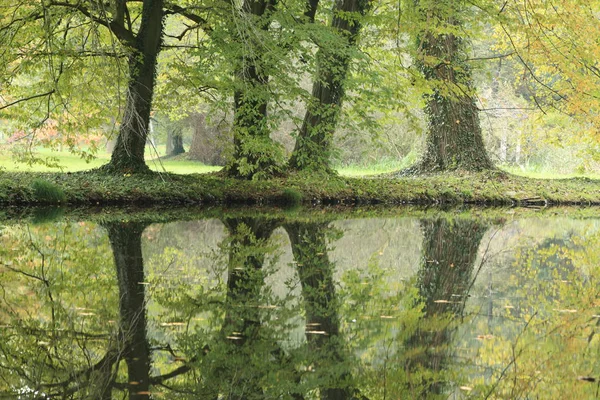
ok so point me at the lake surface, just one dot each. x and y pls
(426, 304)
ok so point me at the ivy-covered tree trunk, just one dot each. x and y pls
(313, 143)
(128, 153)
(453, 140)
(255, 153)
(126, 242)
(449, 253)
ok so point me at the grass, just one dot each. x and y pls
(534, 174)
(73, 163)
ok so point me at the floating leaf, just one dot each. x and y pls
(586, 379)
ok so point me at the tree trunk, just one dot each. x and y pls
(255, 153)
(209, 142)
(175, 140)
(454, 140)
(126, 242)
(128, 153)
(313, 143)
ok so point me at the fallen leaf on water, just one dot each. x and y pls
(565, 311)
(483, 337)
(586, 378)
(172, 324)
(387, 317)
(466, 388)
(317, 332)
(442, 301)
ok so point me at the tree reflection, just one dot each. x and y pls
(326, 352)
(243, 353)
(449, 253)
(126, 243)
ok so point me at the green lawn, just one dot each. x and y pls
(72, 163)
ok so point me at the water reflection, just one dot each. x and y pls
(132, 344)
(327, 352)
(450, 249)
(297, 308)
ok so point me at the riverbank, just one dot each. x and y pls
(488, 188)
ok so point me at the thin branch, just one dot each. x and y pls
(27, 99)
(200, 22)
(512, 53)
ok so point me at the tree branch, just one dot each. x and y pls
(123, 34)
(200, 22)
(27, 99)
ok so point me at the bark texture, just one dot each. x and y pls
(314, 141)
(128, 153)
(453, 140)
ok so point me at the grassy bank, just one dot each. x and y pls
(182, 181)
(492, 188)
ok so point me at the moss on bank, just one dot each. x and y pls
(487, 188)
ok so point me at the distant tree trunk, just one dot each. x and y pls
(128, 153)
(209, 142)
(126, 242)
(175, 140)
(254, 150)
(313, 143)
(454, 140)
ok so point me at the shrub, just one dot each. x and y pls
(291, 197)
(47, 192)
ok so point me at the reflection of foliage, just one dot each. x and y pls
(550, 347)
(58, 308)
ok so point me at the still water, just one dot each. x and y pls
(497, 305)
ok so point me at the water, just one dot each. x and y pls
(294, 305)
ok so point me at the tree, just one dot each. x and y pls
(254, 152)
(325, 344)
(140, 34)
(453, 138)
(314, 140)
